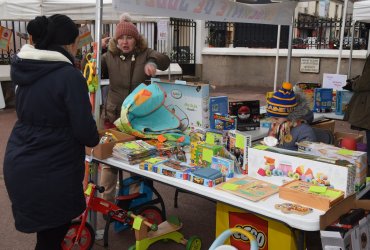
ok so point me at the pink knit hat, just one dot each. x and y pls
(126, 27)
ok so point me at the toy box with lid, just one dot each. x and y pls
(188, 101)
(278, 166)
(357, 158)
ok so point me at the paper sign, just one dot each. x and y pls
(230, 186)
(84, 36)
(334, 81)
(318, 189)
(344, 151)
(240, 141)
(132, 145)
(210, 138)
(162, 27)
(207, 154)
(261, 147)
(5, 35)
(137, 223)
(332, 194)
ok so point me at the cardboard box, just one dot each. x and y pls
(189, 101)
(277, 166)
(339, 135)
(103, 151)
(328, 125)
(299, 192)
(357, 158)
(355, 239)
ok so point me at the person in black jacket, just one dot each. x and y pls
(44, 158)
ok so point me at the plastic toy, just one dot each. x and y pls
(81, 235)
(147, 233)
(217, 244)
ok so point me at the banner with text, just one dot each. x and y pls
(212, 10)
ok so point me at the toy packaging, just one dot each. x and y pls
(238, 143)
(307, 89)
(279, 166)
(247, 113)
(357, 158)
(306, 193)
(224, 165)
(249, 188)
(224, 122)
(188, 101)
(207, 177)
(323, 98)
(343, 97)
(204, 153)
(133, 152)
(174, 169)
(149, 163)
(217, 105)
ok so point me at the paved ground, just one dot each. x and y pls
(197, 213)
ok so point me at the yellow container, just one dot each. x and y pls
(269, 234)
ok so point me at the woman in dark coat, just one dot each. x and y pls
(44, 159)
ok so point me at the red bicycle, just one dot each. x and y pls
(81, 234)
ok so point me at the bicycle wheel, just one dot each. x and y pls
(87, 237)
(152, 213)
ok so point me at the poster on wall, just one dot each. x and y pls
(5, 36)
(334, 81)
(162, 26)
(84, 37)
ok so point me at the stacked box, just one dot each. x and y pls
(224, 122)
(343, 98)
(205, 152)
(189, 101)
(323, 98)
(174, 169)
(217, 105)
(247, 114)
(357, 158)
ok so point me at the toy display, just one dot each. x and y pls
(204, 153)
(291, 208)
(323, 98)
(247, 113)
(174, 169)
(305, 193)
(149, 163)
(238, 144)
(217, 105)
(249, 188)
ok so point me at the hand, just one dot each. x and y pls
(150, 69)
(104, 42)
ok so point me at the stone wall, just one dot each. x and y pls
(256, 67)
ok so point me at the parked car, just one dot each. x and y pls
(311, 42)
(298, 43)
(359, 43)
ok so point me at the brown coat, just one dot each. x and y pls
(358, 112)
(126, 73)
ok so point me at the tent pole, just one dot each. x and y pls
(289, 58)
(344, 14)
(351, 51)
(277, 56)
(98, 32)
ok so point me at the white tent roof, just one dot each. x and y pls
(361, 11)
(75, 9)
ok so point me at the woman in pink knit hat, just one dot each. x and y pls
(127, 63)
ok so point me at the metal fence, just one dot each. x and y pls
(180, 45)
(309, 32)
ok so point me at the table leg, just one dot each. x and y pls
(298, 238)
(2, 100)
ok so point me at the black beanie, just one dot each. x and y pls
(54, 30)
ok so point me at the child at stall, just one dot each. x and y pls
(290, 113)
